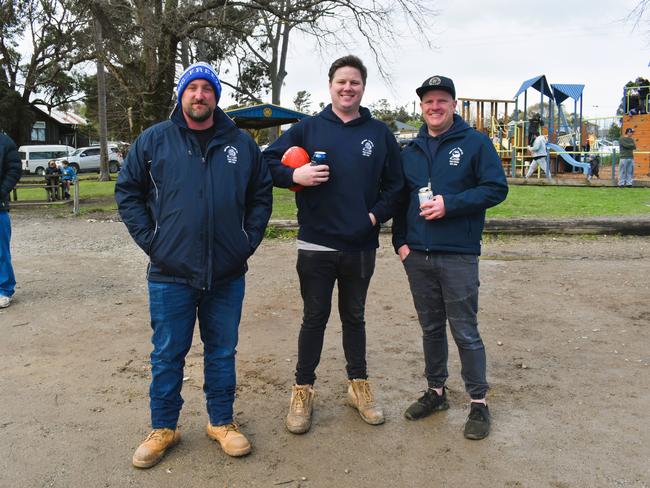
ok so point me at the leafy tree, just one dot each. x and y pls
(47, 75)
(614, 131)
(302, 101)
(327, 23)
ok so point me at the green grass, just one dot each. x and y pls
(522, 201)
(563, 201)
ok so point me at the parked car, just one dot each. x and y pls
(88, 159)
(35, 157)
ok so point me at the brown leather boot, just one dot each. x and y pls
(152, 450)
(300, 409)
(360, 397)
(233, 442)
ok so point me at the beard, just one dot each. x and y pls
(200, 115)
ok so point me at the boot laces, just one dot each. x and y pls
(299, 399)
(155, 435)
(364, 388)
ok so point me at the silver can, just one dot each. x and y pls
(425, 194)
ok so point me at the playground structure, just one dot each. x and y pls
(573, 142)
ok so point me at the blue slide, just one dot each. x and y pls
(568, 158)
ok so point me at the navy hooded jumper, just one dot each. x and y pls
(462, 166)
(363, 157)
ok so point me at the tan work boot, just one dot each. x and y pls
(153, 448)
(233, 442)
(360, 397)
(300, 409)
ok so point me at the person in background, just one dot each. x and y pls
(69, 176)
(52, 174)
(10, 171)
(626, 165)
(538, 152)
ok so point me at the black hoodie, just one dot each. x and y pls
(365, 176)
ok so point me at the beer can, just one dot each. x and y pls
(425, 194)
(319, 157)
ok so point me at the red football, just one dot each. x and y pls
(295, 157)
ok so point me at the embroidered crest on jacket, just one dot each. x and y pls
(454, 156)
(367, 147)
(231, 154)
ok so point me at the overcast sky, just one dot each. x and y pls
(489, 47)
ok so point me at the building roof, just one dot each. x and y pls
(61, 116)
(262, 116)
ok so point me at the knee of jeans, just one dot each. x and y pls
(468, 338)
(434, 330)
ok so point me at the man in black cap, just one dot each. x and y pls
(626, 166)
(452, 174)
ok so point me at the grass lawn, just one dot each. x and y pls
(563, 201)
(522, 201)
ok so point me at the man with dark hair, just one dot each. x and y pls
(452, 174)
(626, 164)
(196, 196)
(339, 211)
(10, 170)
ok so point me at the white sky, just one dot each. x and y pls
(489, 47)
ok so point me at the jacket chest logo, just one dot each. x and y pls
(231, 154)
(454, 156)
(367, 147)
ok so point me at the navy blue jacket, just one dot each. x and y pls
(466, 170)
(198, 219)
(10, 169)
(365, 176)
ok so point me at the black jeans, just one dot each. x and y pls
(317, 271)
(445, 288)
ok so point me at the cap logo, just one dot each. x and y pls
(434, 80)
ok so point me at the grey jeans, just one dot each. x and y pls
(445, 288)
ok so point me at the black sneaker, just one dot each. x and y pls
(477, 426)
(427, 404)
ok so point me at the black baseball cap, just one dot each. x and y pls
(437, 82)
(629, 130)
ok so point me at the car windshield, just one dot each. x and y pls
(76, 152)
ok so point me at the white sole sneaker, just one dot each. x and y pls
(4, 301)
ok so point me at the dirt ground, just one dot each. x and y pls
(565, 321)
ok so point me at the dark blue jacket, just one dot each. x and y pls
(363, 157)
(10, 170)
(198, 219)
(466, 170)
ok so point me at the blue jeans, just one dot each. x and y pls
(625, 172)
(7, 278)
(445, 288)
(174, 308)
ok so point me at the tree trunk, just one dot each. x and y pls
(104, 173)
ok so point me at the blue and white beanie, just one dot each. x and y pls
(194, 72)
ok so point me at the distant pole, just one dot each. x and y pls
(104, 174)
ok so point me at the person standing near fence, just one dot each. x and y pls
(196, 196)
(626, 165)
(10, 170)
(69, 176)
(538, 153)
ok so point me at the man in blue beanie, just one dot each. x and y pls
(10, 169)
(195, 195)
